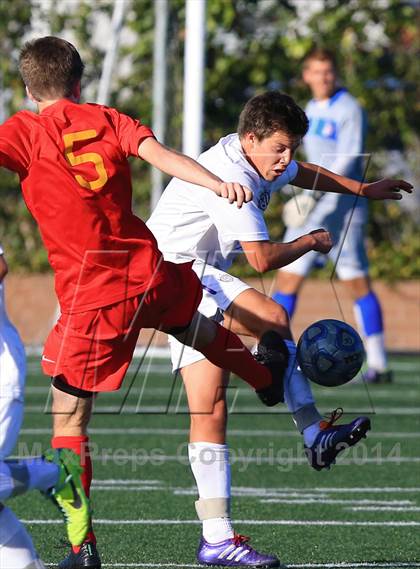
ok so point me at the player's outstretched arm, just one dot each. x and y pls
(3, 267)
(185, 168)
(313, 177)
(266, 256)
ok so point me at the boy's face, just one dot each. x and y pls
(321, 77)
(270, 156)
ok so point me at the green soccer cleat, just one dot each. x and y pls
(68, 494)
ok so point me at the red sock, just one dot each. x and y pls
(228, 352)
(79, 445)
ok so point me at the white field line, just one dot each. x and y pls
(338, 565)
(383, 509)
(158, 459)
(240, 410)
(252, 490)
(232, 432)
(158, 352)
(387, 505)
(162, 522)
(352, 392)
(265, 497)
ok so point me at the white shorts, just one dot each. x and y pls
(219, 291)
(335, 213)
(12, 386)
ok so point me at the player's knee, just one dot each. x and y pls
(276, 318)
(214, 420)
(71, 411)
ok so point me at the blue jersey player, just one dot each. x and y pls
(335, 140)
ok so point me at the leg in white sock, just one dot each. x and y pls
(19, 476)
(16, 548)
(211, 468)
(368, 314)
(209, 455)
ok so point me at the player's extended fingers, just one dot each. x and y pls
(240, 194)
(248, 194)
(405, 186)
(230, 192)
(320, 230)
(223, 190)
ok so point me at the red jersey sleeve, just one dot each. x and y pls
(130, 132)
(14, 145)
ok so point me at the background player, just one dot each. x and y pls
(110, 278)
(335, 140)
(60, 472)
(191, 225)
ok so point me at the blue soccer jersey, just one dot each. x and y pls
(335, 138)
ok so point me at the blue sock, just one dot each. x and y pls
(288, 301)
(370, 314)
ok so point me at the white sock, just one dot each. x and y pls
(375, 352)
(16, 547)
(211, 469)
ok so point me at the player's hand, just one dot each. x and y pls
(234, 192)
(322, 241)
(386, 189)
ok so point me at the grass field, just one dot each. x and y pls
(364, 512)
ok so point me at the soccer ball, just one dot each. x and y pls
(330, 352)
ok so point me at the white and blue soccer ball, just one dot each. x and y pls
(330, 352)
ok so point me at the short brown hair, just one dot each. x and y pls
(319, 54)
(50, 67)
(265, 114)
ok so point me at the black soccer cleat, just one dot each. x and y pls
(88, 556)
(333, 439)
(272, 353)
(374, 376)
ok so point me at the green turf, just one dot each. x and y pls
(155, 482)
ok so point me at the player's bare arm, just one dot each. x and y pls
(265, 256)
(3, 268)
(185, 168)
(314, 177)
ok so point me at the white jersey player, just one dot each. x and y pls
(335, 140)
(12, 374)
(190, 225)
(18, 476)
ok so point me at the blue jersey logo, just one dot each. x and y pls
(325, 128)
(264, 199)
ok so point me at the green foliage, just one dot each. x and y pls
(252, 45)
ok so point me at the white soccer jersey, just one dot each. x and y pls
(12, 380)
(191, 222)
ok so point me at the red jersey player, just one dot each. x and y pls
(110, 277)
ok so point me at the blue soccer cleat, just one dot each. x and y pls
(234, 552)
(335, 438)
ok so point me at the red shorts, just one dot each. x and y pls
(92, 350)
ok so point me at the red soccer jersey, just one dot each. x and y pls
(72, 163)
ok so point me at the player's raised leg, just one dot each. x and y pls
(287, 290)
(209, 459)
(252, 313)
